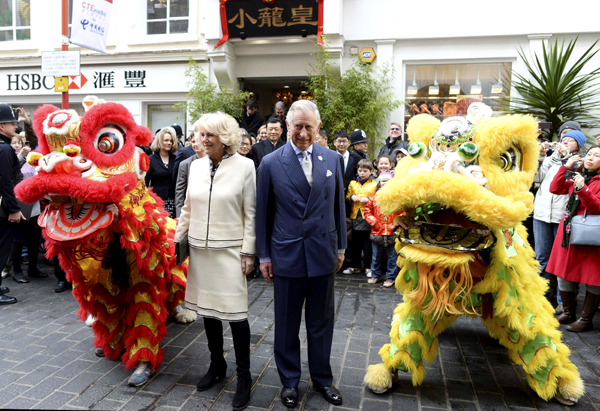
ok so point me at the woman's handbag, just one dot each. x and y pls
(585, 230)
(182, 249)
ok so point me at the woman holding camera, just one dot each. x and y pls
(218, 220)
(575, 264)
(548, 208)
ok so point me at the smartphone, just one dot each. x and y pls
(27, 143)
(545, 125)
(570, 175)
(15, 112)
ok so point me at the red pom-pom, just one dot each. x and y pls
(144, 162)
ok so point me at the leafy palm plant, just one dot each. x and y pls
(556, 90)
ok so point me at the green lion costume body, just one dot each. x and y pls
(462, 249)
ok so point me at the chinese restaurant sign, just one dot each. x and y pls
(269, 18)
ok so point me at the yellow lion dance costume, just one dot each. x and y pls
(462, 249)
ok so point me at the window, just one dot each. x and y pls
(15, 20)
(167, 16)
(163, 115)
(445, 90)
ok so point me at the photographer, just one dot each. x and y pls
(575, 264)
(548, 208)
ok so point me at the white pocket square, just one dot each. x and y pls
(329, 173)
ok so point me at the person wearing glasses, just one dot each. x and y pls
(245, 145)
(395, 140)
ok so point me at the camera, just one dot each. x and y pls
(27, 143)
(16, 113)
(570, 175)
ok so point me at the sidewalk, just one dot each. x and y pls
(47, 360)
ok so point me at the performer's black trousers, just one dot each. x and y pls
(7, 235)
(316, 294)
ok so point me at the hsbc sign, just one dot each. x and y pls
(161, 78)
(34, 81)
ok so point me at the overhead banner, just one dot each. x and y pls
(90, 23)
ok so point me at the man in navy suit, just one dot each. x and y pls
(301, 237)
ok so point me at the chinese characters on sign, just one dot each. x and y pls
(135, 78)
(106, 79)
(287, 18)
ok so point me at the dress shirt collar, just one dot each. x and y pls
(298, 152)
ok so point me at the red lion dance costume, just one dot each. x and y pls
(112, 236)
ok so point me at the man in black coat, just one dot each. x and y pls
(342, 143)
(394, 141)
(280, 114)
(10, 175)
(272, 143)
(251, 120)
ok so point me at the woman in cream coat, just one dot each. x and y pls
(218, 218)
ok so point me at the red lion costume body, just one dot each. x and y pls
(112, 236)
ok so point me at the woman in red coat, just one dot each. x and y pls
(576, 263)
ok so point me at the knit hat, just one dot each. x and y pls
(573, 125)
(577, 136)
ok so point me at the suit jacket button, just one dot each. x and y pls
(323, 217)
(305, 237)
(326, 197)
(324, 234)
(304, 219)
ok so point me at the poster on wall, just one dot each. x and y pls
(91, 19)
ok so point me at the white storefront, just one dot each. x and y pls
(419, 39)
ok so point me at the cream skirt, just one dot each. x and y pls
(216, 285)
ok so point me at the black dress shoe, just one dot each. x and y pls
(289, 397)
(20, 278)
(62, 286)
(4, 290)
(331, 394)
(37, 274)
(5, 299)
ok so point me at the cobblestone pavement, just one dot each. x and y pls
(47, 360)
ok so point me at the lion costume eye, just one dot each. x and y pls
(110, 139)
(510, 160)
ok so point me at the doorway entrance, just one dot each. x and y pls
(269, 91)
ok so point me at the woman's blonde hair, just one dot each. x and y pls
(160, 136)
(264, 127)
(225, 127)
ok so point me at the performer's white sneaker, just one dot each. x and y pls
(141, 375)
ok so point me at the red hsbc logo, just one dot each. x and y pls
(77, 82)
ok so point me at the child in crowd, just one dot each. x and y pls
(358, 195)
(400, 153)
(382, 238)
(384, 164)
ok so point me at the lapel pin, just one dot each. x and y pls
(329, 173)
(320, 158)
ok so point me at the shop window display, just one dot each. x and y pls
(446, 90)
